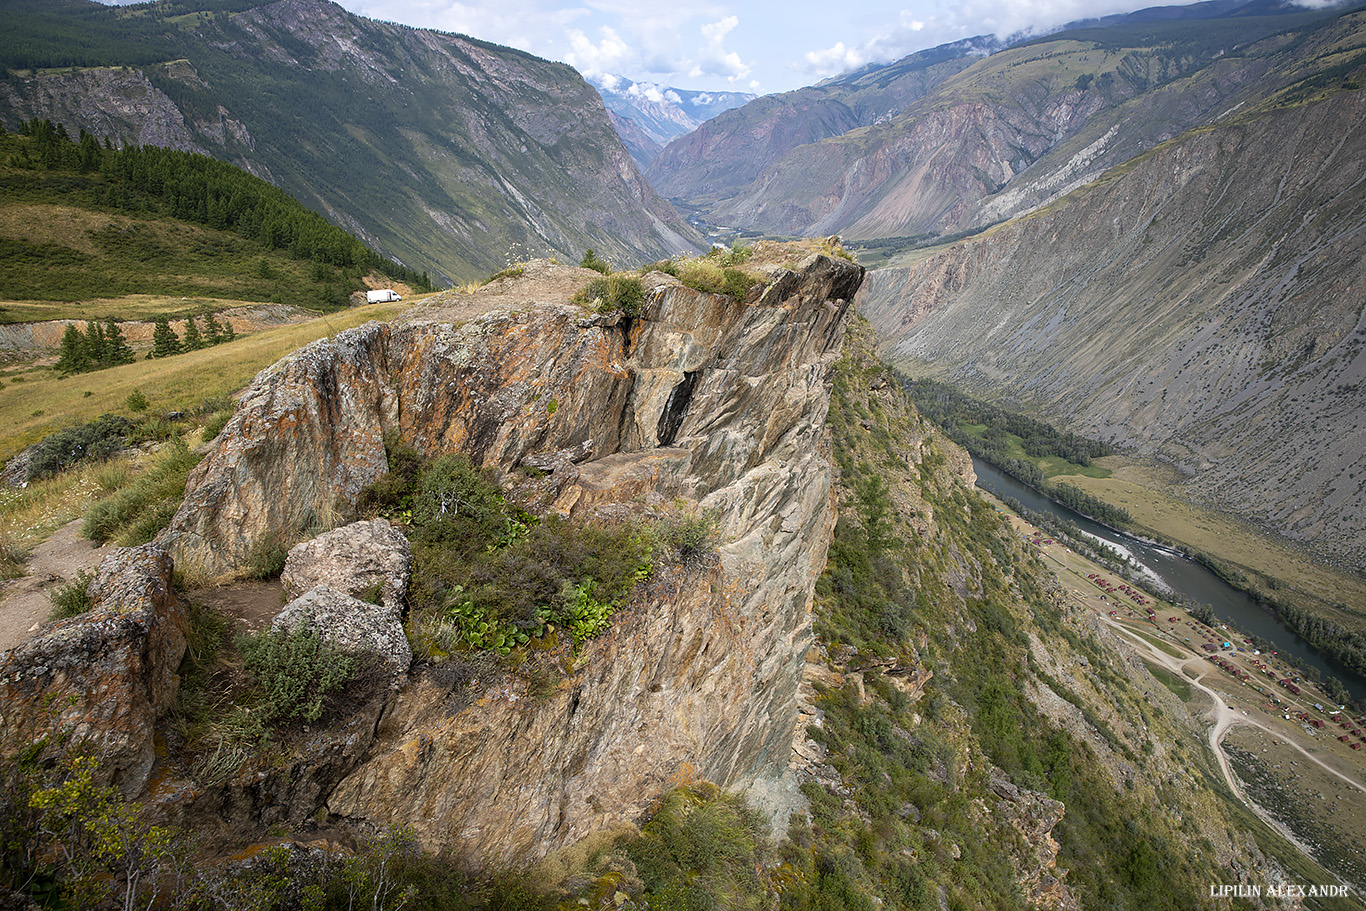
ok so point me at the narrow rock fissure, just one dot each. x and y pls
(671, 419)
(626, 325)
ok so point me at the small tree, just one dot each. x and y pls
(116, 348)
(164, 340)
(591, 261)
(96, 346)
(213, 330)
(73, 358)
(193, 340)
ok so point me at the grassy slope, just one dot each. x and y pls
(44, 401)
(959, 596)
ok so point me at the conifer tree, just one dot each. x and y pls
(228, 332)
(213, 331)
(96, 347)
(164, 340)
(116, 347)
(193, 340)
(73, 358)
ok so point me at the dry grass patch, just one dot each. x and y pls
(45, 402)
(29, 515)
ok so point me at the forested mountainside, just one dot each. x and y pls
(449, 154)
(1198, 304)
(983, 138)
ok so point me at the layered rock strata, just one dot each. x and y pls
(705, 399)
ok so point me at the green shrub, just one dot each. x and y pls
(296, 672)
(713, 275)
(136, 513)
(693, 536)
(72, 599)
(137, 401)
(266, 559)
(457, 506)
(215, 422)
(591, 261)
(613, 292)
(393, 491)
(95, 441)
(509, 272)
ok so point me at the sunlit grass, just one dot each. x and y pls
(39, 402)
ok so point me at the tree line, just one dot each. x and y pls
(203, 190)
(953, 412)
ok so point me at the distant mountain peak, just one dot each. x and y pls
(656, 113)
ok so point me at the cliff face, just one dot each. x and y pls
(717, 402)
(1197, 305)
(449, 154)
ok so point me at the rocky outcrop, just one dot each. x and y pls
(352, 626)
(701, 398)
(351, 560)
(1033, 816)
(99, 681)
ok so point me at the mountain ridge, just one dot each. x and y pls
(493, 154)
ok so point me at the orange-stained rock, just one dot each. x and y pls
(98, 681)
(703, 399)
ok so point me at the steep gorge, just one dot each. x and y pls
(1200, 305)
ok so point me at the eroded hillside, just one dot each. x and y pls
(1197, 305)
(491, 155)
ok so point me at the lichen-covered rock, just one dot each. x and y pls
(349, 624)
(352, 559)
(702, 398)
(1033, 815)
(99, 681)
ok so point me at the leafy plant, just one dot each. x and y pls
(137, 401)
(296, 672)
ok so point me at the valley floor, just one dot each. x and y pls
(1262, 745)
(1145, 489)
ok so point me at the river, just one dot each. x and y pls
(1166, 570)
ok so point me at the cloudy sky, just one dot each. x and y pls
(758, 46)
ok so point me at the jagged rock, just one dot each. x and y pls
(352, 559)
(99, 681)
(715, 401)
(1035, 857)
(351, 625)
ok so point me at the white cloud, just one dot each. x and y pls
(610, 55)
(713, 58)
(834, 60)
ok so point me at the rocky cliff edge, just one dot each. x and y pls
(701, 398)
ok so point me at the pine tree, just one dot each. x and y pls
(73, 358)
(164, 340)
(228, 332)
(193, 340)
(96, 346)
(213, 332)
(116, 348)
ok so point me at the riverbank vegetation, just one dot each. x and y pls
(1030, 451)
